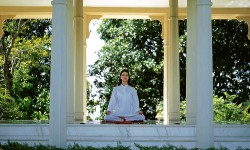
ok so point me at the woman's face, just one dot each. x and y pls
(124, 77)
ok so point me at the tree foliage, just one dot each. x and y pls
(231, 62)
(8, 108)
(12, 30)
(25, 67)
(225, 110)
(32, 76)
(231, 57)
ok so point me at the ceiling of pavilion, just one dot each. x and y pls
(129, 3)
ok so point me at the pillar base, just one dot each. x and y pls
(79, 117)
(190, 119)
(70, 118)
(174, 118)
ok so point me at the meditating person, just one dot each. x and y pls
(124, 102)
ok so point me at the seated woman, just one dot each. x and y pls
(124, 102)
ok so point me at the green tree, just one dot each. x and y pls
(246, 111)
(25, 65)
(136, 45)
(8, 107)
(225, 111)
(12, 29)
(23, 29)
(231, 53)
(231, 58)
(32, 76)
(231, 75)
(182, 56)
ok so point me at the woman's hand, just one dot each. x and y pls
(140, 112)
(107, 112)
(122, 117)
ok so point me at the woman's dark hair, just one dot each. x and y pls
(120, 80)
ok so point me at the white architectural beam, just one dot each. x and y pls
(58, 80)
(70, 62)
(204, 87)
(199, 108)
(165, 33)
(191, 63)
(173, 73)
(85, 28)
(79, 61)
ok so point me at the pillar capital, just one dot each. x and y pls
(2, 19)
(159, 18)
(163, 21)
(247, 19)
(87, 20)
(204, 2)
(1, 25)
(59, 2)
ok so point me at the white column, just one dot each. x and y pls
(199, 109)
(204, 123)
(191, 68)
(58, 77)
(173, 77)
(85, 31)
(165, 31)
(79, 61)
(70, 62)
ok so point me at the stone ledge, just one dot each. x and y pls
(230, 136)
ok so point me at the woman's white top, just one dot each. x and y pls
(124, 101)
